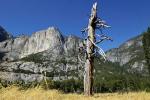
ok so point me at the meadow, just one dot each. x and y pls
(38, 93)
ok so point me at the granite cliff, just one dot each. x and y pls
(47, 53)
(130, 55)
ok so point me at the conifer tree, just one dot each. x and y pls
(146, 46)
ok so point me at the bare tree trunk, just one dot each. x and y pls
(89, 66)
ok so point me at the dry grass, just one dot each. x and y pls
(13, 93)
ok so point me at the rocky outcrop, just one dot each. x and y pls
(42, 40)
(23, 46)
(47, 51)
(11, 49)
(130, 55)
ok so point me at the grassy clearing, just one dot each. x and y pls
(14, 93)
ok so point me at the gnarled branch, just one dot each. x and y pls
(101, 52)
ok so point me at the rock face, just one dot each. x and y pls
(42, 40)
(46, 51)
(23, 46)
(11, 49)
(130, 55)
(4, 35)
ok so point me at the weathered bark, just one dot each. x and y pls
(89, 66)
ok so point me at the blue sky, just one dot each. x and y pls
(128, 18)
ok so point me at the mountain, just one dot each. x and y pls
(4, 35)
(47, 53)
(130, 55)
(23, 46)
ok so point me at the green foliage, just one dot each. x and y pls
(111, 77)
(107, 83)
(37, 58)
(146, 46)
(23, 71)
(70, 85)
(123, 83)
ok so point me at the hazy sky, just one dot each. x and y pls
(128, 18)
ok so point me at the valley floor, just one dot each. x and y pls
(13, 93)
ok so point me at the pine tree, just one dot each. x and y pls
(146, 46)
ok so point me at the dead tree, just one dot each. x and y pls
(91, 48)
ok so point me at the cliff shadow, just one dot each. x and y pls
(2, 54)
